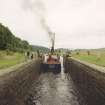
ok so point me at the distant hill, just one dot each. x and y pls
(96, 50)
(40, 48)
(100, 49)
(63, 49)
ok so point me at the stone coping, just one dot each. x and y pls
(90, 65)
(14, 68)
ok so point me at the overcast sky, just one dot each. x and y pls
(77, 23)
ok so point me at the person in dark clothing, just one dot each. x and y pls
(28, 53)
(32, 56)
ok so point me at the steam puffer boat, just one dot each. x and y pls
(51, 61)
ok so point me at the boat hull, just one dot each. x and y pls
(56, 68)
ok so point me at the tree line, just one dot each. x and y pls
(8, 41)
(40, 48)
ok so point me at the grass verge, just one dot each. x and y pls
(10, 59)
(93, 58)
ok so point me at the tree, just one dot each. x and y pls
(10, 42)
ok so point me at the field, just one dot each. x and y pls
(95, 56)
(8, 59)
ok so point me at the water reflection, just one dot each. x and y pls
(51, 89)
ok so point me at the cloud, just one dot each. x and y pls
(77, 23)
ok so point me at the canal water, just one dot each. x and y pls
(54, 89)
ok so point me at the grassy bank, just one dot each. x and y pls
(97, 58)
(8, 59)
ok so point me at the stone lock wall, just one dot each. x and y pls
(89, 80)
(15, 85)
